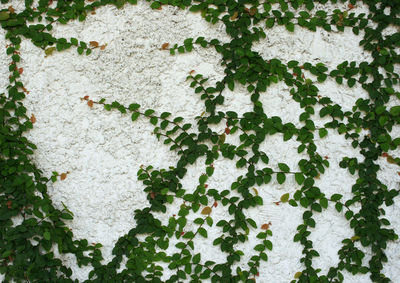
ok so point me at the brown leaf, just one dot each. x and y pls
(207, 210)
(265, 226)
(255, 191)
(90, 103)
(11, 9)
(102, 47)
(227, 131)
(390, 159)
(253, 11)
(164, 46)
(33, 119)
(94, 44)
(63, 176)
(20, 70)
(234, 16)
(215, 204)
(86, 97)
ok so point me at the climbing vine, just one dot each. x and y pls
(32, 228)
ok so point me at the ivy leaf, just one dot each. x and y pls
(299, 178)
(283, 167)
(206, 210)
(134, 116)
(290, 26)
(196, 258)
(4, 16)
(46, 235)
(285, 198)
(270, 22)
(203, 232)
(280, 178)
(322, 132)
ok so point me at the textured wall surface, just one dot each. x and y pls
(103, 150)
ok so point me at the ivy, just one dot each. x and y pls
(27, 249)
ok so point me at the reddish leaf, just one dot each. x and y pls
(227, 131)
(351, 6)
(33, 119)
(265, 226)
(385, 154)
(86, 97)
(253, 11)
(90, 103)
(63, 176)
(164, 46)
(94, 44)
(9, 203)
(102, 47)
(152, 195)
(215, 204)
(20, 70)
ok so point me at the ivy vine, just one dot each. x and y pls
(26, 249)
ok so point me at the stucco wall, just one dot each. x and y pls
(103, 150)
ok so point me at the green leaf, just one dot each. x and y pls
(251, 222)
(46, 235)
(153, 120)
(148, 112)
(259, 248)
(210, 170)
(283, 167)
(351, 82)
(395, 111)
(336, 197)
(280, 178)
(66, 216)
(270, 22)
(299, 178)
(135, 115)
(196, 258)
(322, 132)
(203, 232)
(155, 5)
(290, 26)
(323, 202)
(268, 244)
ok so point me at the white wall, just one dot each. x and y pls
(103, 150)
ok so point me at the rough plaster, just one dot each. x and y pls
(103, 150)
